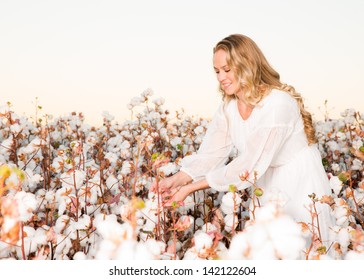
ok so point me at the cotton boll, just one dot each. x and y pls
(62, 202)
(140, 222)
(70, 231)
(13, 182)
(107, 116)
(135, 101)
(352, 255)
(105, 250)
(15, 128)
(230, 203)
(341, 136)
(336, 184)
(276, 198)
(88, 193)
(341, 215)
(191, 254)
(124, 211)
(209, 227)
(343, 238)
(221, 250)
(258, 235)
(29, 231)
(286, 237)
(149, 212)
(357, 143)
(114, 231)
(79, 256)
(198, 140)
(40, 236)
(32, 179)
(168, 169)
(149, 226)
(58, 164)
(83, 223)
(199, 222)
(126, 168)
(335, 167)
(26, 205)
(61, 223)
(231, 222)
(5, 146)
(156, 248)
(86, 238)
(188, 204)
(199, 130)
(132, 250)
(342, 221)
(35, 145)
(99, 218)
(147, 92)
(27, 242)
(112, 158)
(175, 141)
(202, 240)
(159, 101)
(272, 235)
(333, 146)
(359, 196)
(239, 247)
(112, 183)
(266, 213)
(265, 252)
(357, 164)
(64, 244)
(74, 179)
(61, 257)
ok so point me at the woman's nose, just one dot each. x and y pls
(221, 76)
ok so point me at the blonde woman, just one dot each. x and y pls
(265, 120)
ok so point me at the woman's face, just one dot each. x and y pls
(224, 74)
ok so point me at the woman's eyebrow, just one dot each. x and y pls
(221, 67)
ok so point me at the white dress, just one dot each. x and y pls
(271, 142)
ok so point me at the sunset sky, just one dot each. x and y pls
(94, 56)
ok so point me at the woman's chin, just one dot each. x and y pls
(229, 92)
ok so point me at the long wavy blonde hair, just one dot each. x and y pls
(257, 77)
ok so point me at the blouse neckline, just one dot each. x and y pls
(238, 113)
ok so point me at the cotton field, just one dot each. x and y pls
(72, 191)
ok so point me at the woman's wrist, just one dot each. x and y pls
(199, 185)
(182, 178)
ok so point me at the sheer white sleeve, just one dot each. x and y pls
(214, 150)
(263, 144)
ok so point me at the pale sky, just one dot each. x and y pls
(94, 56)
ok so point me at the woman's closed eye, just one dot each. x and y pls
(225, 70)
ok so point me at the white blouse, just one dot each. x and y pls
(271, 142)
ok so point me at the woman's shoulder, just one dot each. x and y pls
(278, 107)
(278, 97)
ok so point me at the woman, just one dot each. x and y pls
(266, 122)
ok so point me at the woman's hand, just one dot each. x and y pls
(176, 195)
(166, 184)
(163, 185)
(180, 193)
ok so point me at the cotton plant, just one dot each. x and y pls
(118, 241)
(206, 244)
(80, 176)
(272, 235)
(16, 208)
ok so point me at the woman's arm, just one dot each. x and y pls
(180, 193)
(176, 180)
